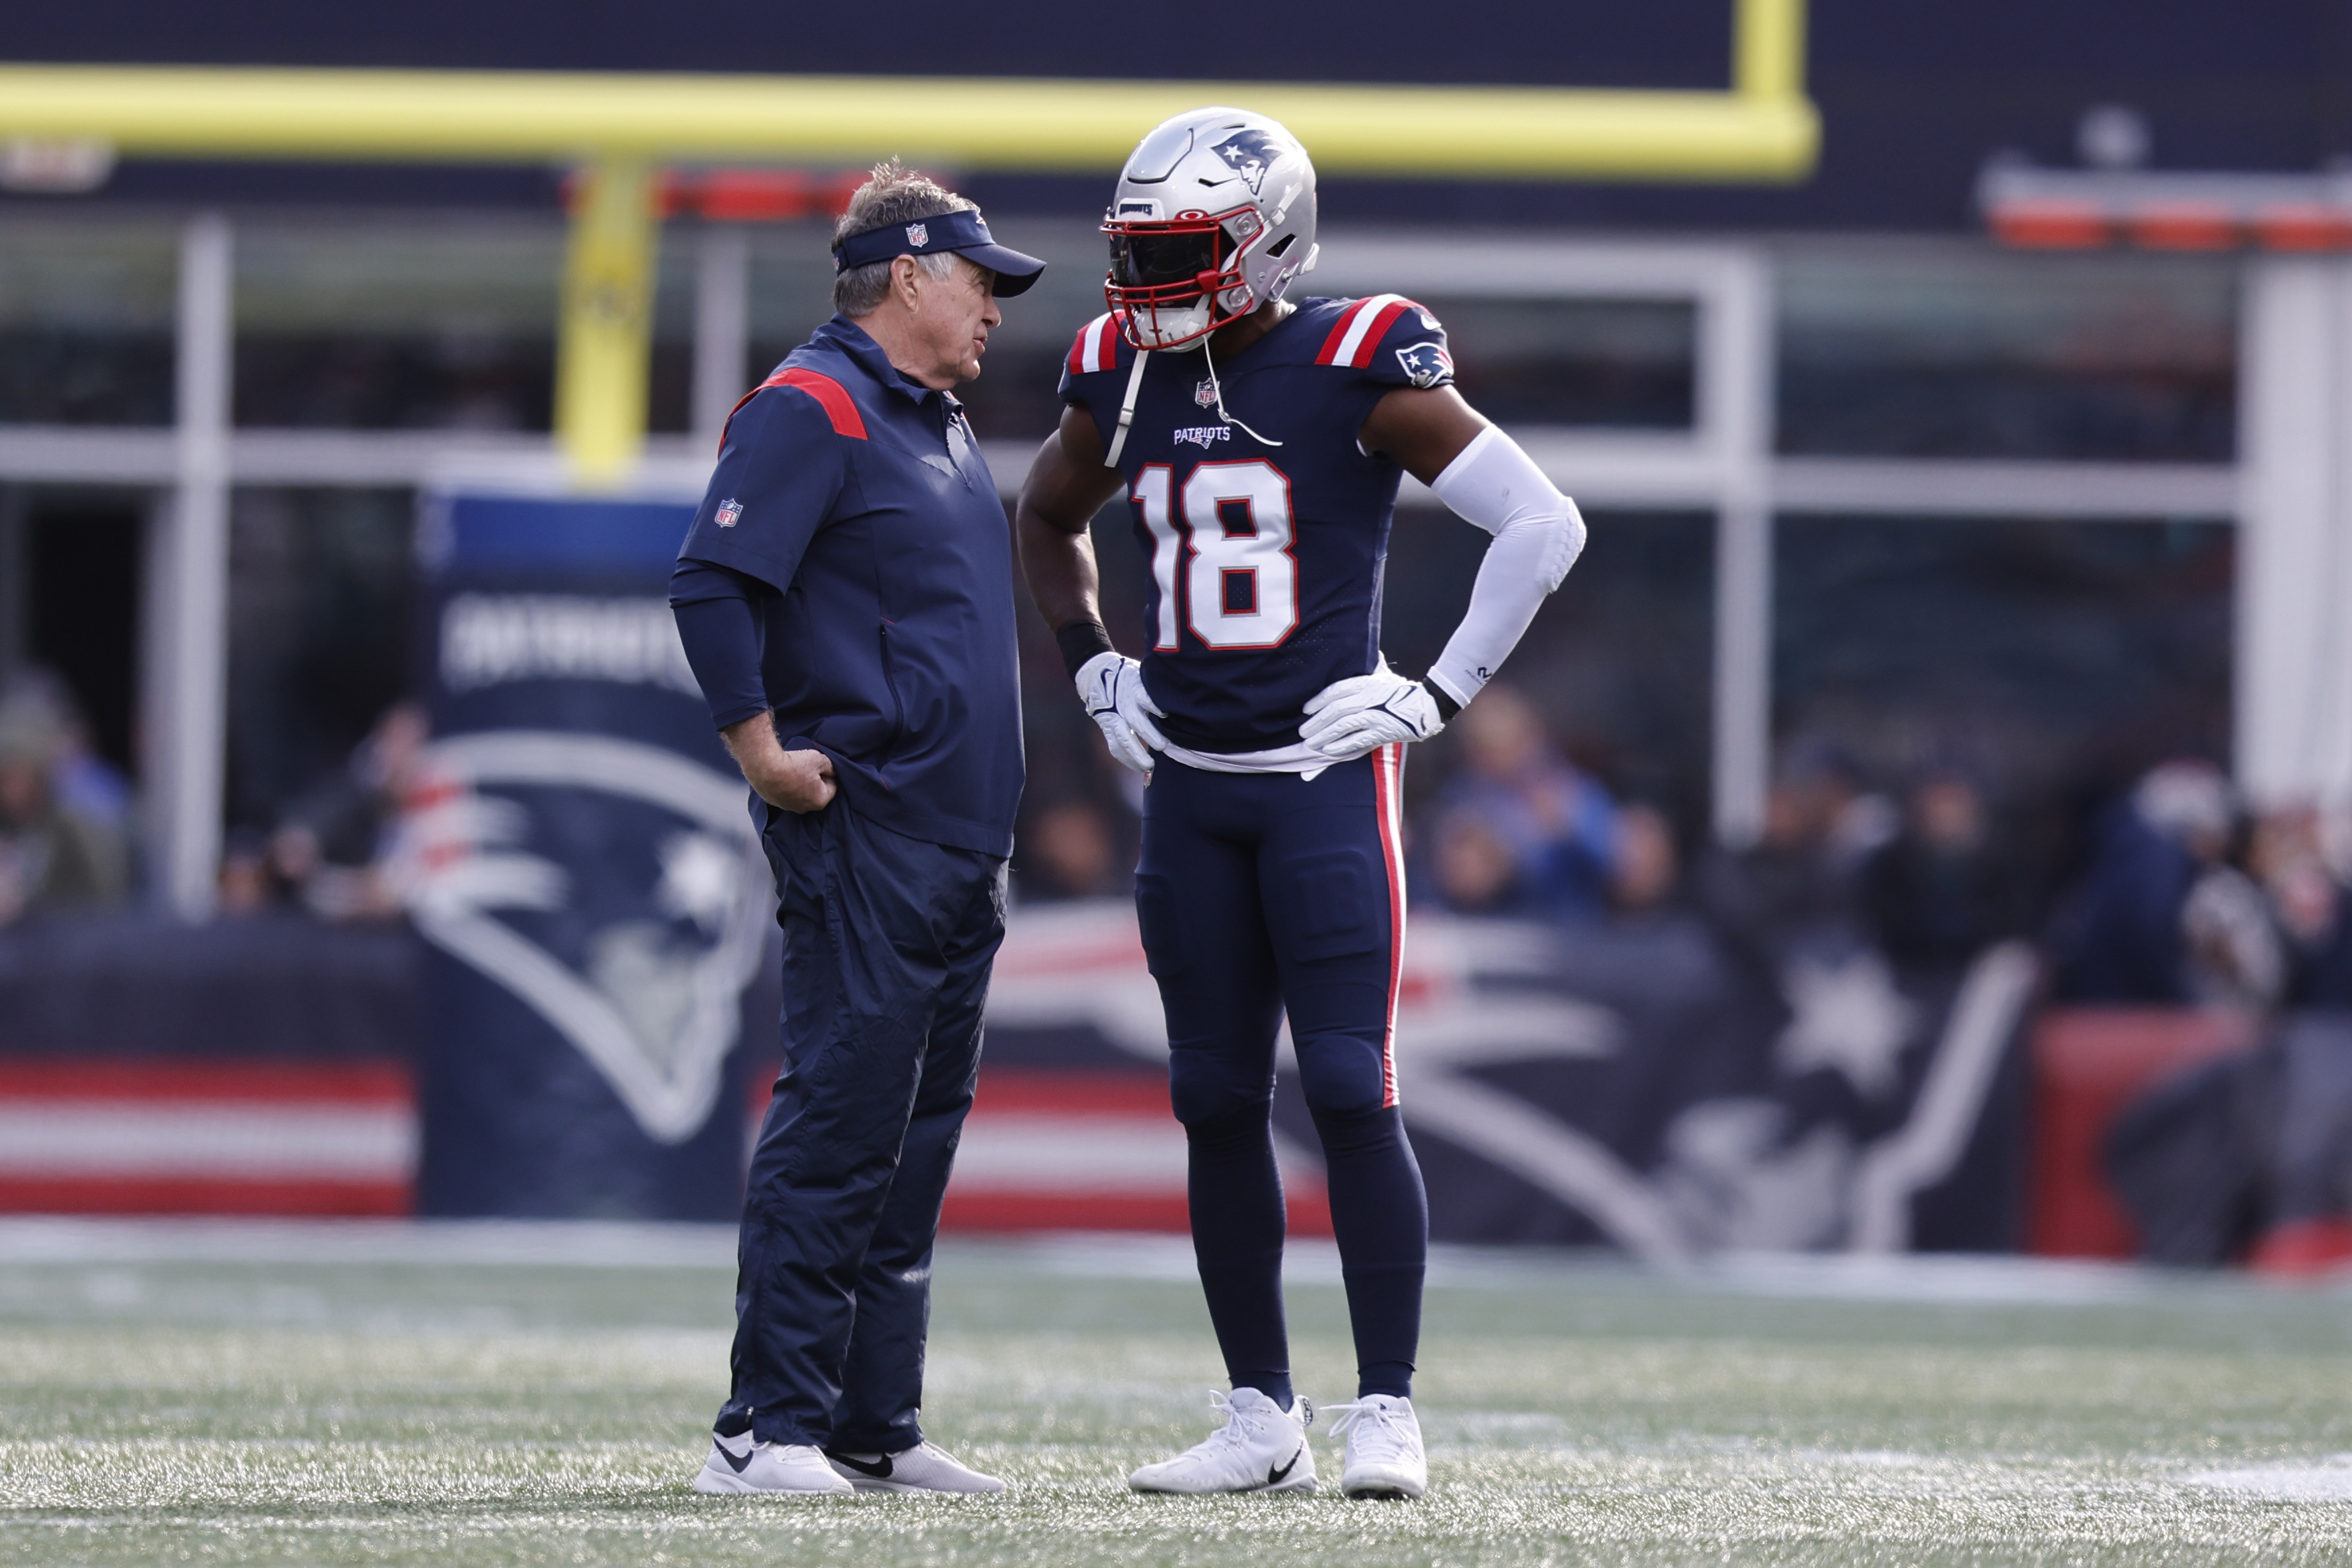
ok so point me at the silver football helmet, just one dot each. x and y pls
(1212, 218)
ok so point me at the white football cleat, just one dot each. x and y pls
(738, 1464)
(1261, 1448)
(1384, 1453)
(926, 1467)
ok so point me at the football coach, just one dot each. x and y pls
(845, 598)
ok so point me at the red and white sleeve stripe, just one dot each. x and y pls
(1096, 347)
(1357, 334)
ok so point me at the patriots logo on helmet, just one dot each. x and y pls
(1250, 154)
(1205, 394)
(918, 235)
(1425, 365)
(730, 512)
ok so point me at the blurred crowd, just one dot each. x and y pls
(2190, 898)
(329, 851)
(70, 838)
(64, 813)
(2180, 894)
(1518, 829)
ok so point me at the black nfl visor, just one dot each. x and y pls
(964, 233)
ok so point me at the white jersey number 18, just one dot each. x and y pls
(1232, 548)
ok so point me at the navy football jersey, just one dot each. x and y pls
(1265, 560)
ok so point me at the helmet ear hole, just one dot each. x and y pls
(1281, 245)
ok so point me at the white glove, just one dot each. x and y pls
(1111, 686)
(1364, 712)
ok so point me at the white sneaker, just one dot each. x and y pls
(738, 1464)
(1261, 1448)
(926, 1467)
(1384, 1452)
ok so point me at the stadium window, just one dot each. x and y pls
(2054, 661)
(319, 639)
(388, 325)
(1918, 349)
(1613, 364)
(1617, 662)
(85, 313)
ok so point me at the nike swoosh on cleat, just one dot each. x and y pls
(879, 1470)
(1275, 1478)
(734, 1464)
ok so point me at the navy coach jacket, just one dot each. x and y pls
(860, 497)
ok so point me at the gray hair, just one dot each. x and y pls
(896, 195)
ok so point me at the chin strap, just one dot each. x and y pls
(1210, 359)
(1127, 409)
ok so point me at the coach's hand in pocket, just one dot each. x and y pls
(789, 780)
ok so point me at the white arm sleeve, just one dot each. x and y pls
(1537, 537)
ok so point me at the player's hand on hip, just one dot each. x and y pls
(1111, 687)
(798, 781)
(1365, 712)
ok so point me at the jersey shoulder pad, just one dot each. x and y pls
(831, 402)
(1391, 340)
(1099, 346)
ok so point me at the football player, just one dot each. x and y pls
(1259, 442)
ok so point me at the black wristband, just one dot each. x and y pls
(1446, 707)
(1080, 641)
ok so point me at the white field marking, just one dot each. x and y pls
(67, 1138)
(603, 1244)
(1126, 1254)
(1081, 1153)
(1948, 1279)
(2323, 1480)
(587, 1244)
(1074, 1153)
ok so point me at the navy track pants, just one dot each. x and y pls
(1262, 894)
(887, 944)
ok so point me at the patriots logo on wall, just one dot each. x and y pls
(635, 948)
(730, 512)
(1250, 154)
(1562, 1092)
(1425, 365)
(918, 235)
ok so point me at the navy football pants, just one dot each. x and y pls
(887, 943)
(1261, 894)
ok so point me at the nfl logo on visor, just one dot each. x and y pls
(918, 235)
(730, 512)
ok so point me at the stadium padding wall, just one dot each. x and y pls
(1523, 1061)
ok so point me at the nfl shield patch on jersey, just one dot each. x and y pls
(730, 512)
(1425, 365)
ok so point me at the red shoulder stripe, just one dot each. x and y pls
(1330, 350)
(839, 407)
(1096, 347)
(1375, 333)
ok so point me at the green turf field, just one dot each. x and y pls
(538, 1396)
